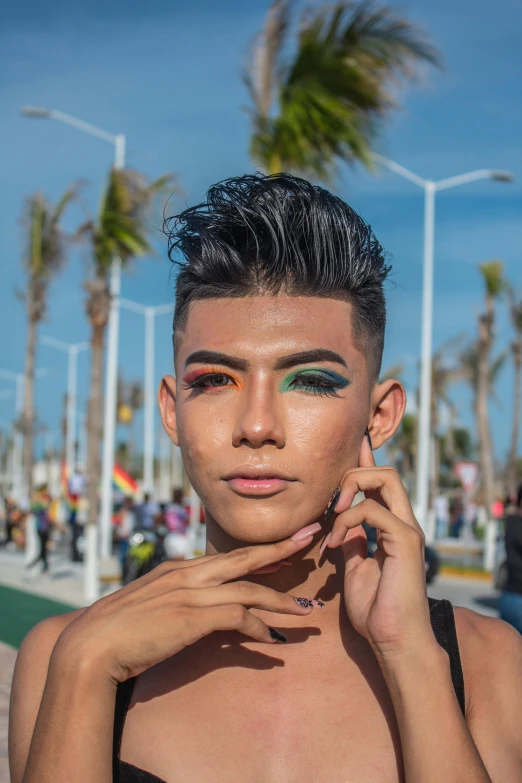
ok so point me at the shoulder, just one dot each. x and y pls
(29, 679)
(490, 649)
(491, 655)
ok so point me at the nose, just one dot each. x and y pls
(259, 422)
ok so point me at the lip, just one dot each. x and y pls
(260, 481)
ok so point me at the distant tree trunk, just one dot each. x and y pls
(94, 422)
(512, 468)
(28, 413)
(483, 389)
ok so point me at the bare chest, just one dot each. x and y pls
(326, 720)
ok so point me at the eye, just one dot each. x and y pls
(206, 382)
(317, 383)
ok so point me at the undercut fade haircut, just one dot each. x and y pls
(258, 235)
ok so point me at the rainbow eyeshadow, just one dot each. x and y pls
(314, 379)
(204, 379)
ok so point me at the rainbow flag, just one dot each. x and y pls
(123, 482)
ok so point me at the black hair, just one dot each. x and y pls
(519, 496)
(259, 234)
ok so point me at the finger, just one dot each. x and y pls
(243, 561)
(354, 548)
(247, 594)
(394, 532)
(383, 485)
(366, 458)
(231, 617)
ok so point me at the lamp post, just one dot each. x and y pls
(72, 350)
(149, 314)
(430, 188)
(111, 379)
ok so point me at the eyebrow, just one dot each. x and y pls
(284, 363)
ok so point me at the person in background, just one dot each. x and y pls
(441, 507)
(125, 529)
(146, 512)
(76, 491)
(510, 604)
(40, 509)
(176, 515)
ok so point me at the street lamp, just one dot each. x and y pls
(72, 350)
(431, 187)
(111, 381)
(150, 314)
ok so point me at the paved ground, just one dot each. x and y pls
(24, 603)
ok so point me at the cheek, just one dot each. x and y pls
(202, 434)
(328, 439)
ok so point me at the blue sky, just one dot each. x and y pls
(168, 76)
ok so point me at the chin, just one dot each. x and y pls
(260, 522)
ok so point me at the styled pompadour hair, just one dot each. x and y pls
(260, 234)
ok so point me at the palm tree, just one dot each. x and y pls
(120, 231)
(471, 366)
(322, 98)
(444, 374)
(493, 277)
(130, 400)
(515, 309)
(42, 260)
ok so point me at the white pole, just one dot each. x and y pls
(148, 434)
(424, 420)
(71, 407)
(109, 429)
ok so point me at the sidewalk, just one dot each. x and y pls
(7, 660)
(63, 582)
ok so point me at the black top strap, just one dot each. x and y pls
(443, 624)
(123, 697)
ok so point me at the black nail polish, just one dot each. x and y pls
(305, 602)
(331, 505)
(367, 433)
(277, 635)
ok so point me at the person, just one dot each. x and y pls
(146, 512)
(125, 530)
(276, 405)
(41, 510)
(76, 489)
(510, 602)
(176, 515)
(441, 508)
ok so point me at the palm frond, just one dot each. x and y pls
(333, 92)
(493, 276)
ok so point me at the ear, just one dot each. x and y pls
(388, 403)
(167, 406)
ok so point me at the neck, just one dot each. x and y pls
(311, 575)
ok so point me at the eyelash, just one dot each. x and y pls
(324, 388)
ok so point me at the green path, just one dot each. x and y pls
(19, 611)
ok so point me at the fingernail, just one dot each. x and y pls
(306, 602)
(277, 635)
(309, 530)
(286, 562)
(325, 543)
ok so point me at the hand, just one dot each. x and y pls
(177, 604)
(385, 595)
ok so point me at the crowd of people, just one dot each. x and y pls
(57, 515)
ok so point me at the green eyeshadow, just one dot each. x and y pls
(335, 380)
